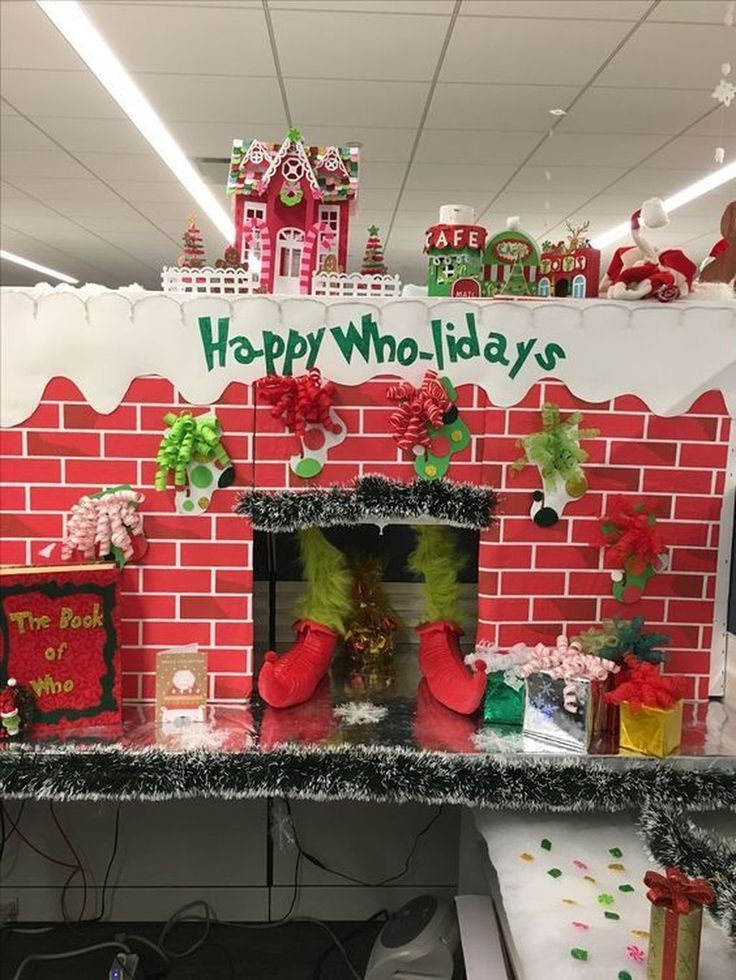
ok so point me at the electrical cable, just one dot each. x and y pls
(106, 880)
(71, 954)
(320, 964)
(79, 870)
(16, 829)
(318, 863)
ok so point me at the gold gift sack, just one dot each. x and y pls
(651, 731)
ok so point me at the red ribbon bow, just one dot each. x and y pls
(299, 401)
(674, 890)
(419, 410)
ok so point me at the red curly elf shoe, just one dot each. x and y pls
(441, 662)
(293, 677)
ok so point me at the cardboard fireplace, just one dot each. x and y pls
(552, 429)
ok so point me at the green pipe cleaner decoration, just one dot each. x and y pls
(327, 597)
(617, 637)
(555, 449)
(437, 559)
(188, 438)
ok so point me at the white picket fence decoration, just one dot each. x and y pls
(354, 284)
(177, 279)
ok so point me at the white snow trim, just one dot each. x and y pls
(360, 712)
(666, 354)
(494, 660)
(495, 741)
(653, 213)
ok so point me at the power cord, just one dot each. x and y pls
(382, 914)
(318, 863)
(71, 954)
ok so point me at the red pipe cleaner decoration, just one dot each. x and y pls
(299, 401)
(419, 410)
(645, 687)
(630, 530)
(674, 890)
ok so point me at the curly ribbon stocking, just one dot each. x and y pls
(188, 438)
(419, 410)
(98, 525)
(299, 401)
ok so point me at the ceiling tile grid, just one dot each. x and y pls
(449, 100)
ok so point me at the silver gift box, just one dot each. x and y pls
(546, 718)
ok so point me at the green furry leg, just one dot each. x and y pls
(437, 559)
(327, 596)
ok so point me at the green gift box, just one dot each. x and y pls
(504, 699)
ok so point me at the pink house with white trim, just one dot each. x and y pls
(292, 206)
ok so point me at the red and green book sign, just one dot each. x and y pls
(59, 640)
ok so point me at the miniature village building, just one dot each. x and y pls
(511, 262)
(292, 206)
(455, 257)
(570, 273)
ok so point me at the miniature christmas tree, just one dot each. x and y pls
(193, 255)
(373, 264)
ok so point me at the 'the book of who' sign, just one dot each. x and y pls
(59, 638)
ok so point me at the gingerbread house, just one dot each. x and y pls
(292, 205)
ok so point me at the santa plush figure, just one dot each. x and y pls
(641, 270)
(9, 711)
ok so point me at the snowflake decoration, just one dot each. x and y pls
(724, 92)
(360, 712)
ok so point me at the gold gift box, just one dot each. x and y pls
(651, 731)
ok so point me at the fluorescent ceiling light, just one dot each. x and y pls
(19, 260)
(687, 194)
(71, 20)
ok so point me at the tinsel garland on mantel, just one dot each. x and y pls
(370, 773)
(369, 498)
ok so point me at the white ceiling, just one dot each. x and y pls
(449, 99)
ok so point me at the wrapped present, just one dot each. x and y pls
(651, 709)
(503, 703)
(675, 924)
(559, 711)
(563, 688)
(650, 731)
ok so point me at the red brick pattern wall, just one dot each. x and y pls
(195, 583)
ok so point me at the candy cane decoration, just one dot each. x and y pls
(253, 230)
(319, 228)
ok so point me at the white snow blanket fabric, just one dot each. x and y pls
(564, 883)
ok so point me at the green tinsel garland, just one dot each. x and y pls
(370, 497)
(555, 449)
(675, 841)
(189, 437)
(367, 773)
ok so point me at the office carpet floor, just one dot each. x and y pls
(292, 952)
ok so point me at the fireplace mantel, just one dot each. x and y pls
(667, 354)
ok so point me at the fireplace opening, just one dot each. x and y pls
(279, 584)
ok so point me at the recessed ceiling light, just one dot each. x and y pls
(73, 23)
(19, 260)
(557, 112)
(690, 193)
